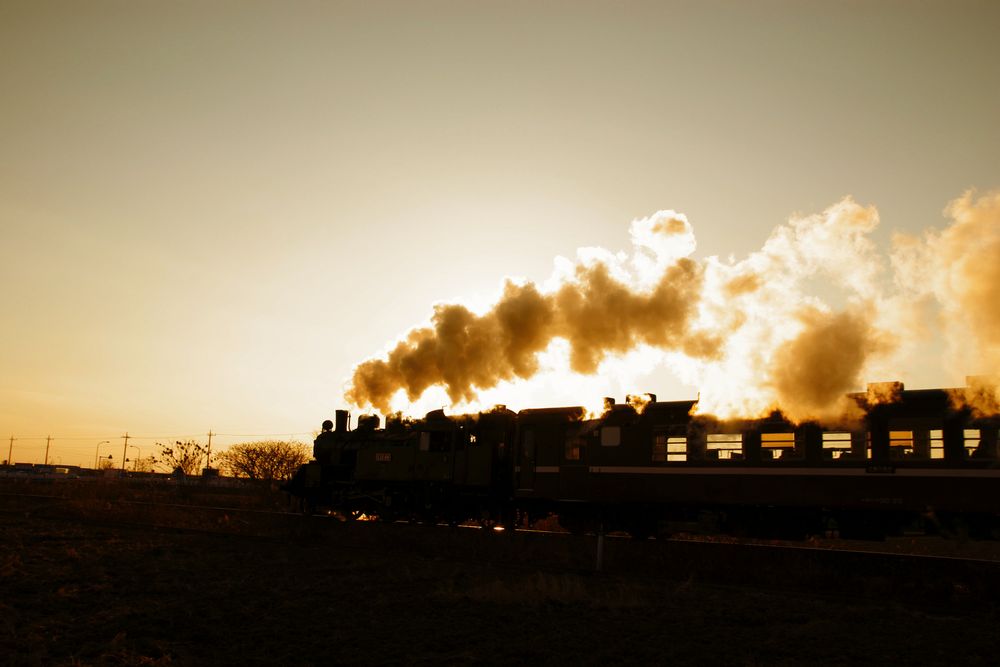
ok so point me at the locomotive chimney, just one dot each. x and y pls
(341, 417)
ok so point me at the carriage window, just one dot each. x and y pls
(900, 444)
(611, 436)
(836, 445)
(724, 446)
(937, 443)
(677, 449)
(777, 447)
(972, 440)
(425, 441)
(667, 448)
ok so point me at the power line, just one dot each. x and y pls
(83, 438)
(261, 435)
(166, 437)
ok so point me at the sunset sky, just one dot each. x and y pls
(212, 212)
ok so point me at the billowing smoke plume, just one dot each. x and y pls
(958, 270)
(785, 346)
(811, 372)
(598, 309)
(753, 335)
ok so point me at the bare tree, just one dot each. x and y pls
(186, 455)
(144, 464)
(266, 459)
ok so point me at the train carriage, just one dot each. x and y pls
(908, 460)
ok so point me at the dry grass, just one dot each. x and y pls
(100, 593)
(542, 588)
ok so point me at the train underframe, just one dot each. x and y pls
(645, 520)
(416, 502)
(441, 503)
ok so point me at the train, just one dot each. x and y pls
(919, 461)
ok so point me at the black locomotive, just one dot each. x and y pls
(916, 462)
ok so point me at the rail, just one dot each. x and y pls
(926, 580)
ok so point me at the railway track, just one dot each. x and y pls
(936, 581)
(927, 547)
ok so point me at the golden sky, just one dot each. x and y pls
(211, 212)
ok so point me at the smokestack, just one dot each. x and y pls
(340, 420)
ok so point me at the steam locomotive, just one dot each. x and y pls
(917, 462)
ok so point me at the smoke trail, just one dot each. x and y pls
(812, 372)
(784, 346)
(597, 308)
(753, 335)
(957, 273)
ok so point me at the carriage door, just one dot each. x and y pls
(526, 461)
(460, 457)
(573, 471)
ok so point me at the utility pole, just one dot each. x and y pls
(10, 452)
(98, 451)
(124, 450)
(48, 439)
(208, 463)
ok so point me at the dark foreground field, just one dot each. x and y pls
(99, 593)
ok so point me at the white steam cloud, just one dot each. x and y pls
(754, 335)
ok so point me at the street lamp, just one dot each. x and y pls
(98, 451)
(135, 466)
